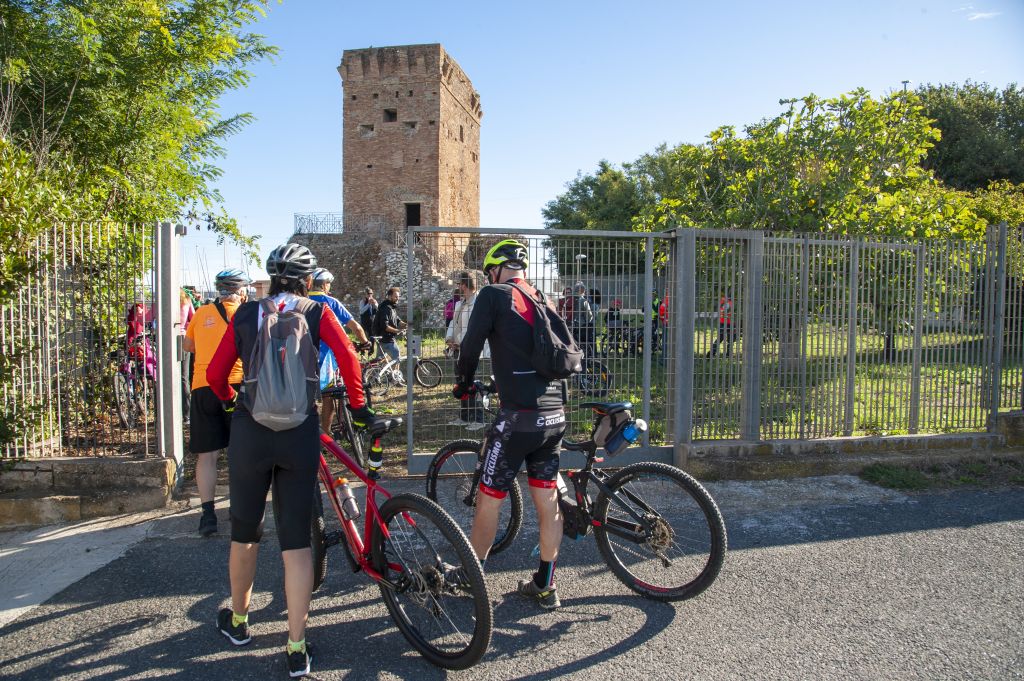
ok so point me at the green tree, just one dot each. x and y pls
(126, 91)
(606, 200)
(982, 133)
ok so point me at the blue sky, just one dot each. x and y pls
(565, 84)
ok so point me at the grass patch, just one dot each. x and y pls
(994, 472)
(896, 477)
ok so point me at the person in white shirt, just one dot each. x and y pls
(471, 413)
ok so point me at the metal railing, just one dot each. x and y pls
(741, 335)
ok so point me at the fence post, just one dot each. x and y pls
(410, 254)
(753, 333)
(997, 328)
(915, 380)
(851, 335)
(648, 332)
(805, 327)
(684, 317)
(170, 441)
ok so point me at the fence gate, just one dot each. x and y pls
(85, 371)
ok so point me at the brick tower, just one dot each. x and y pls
(411, 140)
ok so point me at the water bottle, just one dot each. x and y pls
(563, 491)
(625, 436)
(348, 502)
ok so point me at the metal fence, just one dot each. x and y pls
(719, 335)
(63, 335)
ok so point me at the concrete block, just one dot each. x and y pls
(119, 502)
(22, 510)
(27, 477)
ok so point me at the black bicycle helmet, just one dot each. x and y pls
(231, 281)
(291, 261)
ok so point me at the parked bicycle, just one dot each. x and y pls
(657, 528)
(626, 341)
(595, 380)
(429, 577)
(384, 372)
(134, 381)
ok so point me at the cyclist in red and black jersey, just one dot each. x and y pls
(531, 419)
(260, 458)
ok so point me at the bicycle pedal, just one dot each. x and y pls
(333, 538)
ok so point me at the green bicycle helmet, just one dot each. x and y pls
(508, 251)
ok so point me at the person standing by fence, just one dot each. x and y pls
(367, 311)
(471, 412)
(582, 323)
(209, 425)
(726, 333)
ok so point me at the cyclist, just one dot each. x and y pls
(387, 324)
(531, 418)
(209, 425)
(322, 280)
(260, 458)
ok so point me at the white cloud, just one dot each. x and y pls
(974, 16)
(964, 8)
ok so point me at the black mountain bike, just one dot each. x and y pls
(656, 527)
(344, 430)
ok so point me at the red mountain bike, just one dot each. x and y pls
(428, 574)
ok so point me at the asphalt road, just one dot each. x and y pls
(826, 578)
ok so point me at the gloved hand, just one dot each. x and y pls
(363, 416)
(463, 391)
(229, 405)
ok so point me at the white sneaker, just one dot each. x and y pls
(475, 426)
(458, 422)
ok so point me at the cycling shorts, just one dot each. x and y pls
(260, 458)
(517, 436)
(209, 425)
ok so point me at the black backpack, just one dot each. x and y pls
(555, 352)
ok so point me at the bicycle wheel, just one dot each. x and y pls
(596, 379)
(377, 382)
(123, 401)
(437, 594)
(318, 539)
(450, 482)
(428, 373)
(680, 552)
(342, 429)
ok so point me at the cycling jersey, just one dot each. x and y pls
(206, 330)
(504, 318)
(339, 310)
(240, 339)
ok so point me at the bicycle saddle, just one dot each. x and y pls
(607, 407)
(334, 391)
(383, 424)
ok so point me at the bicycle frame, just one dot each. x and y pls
(581, 479)
(359, 545)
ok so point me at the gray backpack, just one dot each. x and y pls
(282, 380)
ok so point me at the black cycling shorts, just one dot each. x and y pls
(209, 424)
(517, 436)
(260, 458)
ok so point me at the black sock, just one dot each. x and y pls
(545, 574)
(207, 508)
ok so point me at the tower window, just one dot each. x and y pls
(390, 115)
(353, 97)
(366, 130)
(410, 125)
(433, 122)
(369, 165)
(375, 95)
(412, 215)
(462, 137)
(410, 93)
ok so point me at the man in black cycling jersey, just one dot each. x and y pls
(531, 420)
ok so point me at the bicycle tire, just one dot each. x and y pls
(445, 467)
(596, 379)
(717, 542)
(377, 383)
(318, 535)
(344, 428)
(123, 400)
(432, 580)
(428, 373)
